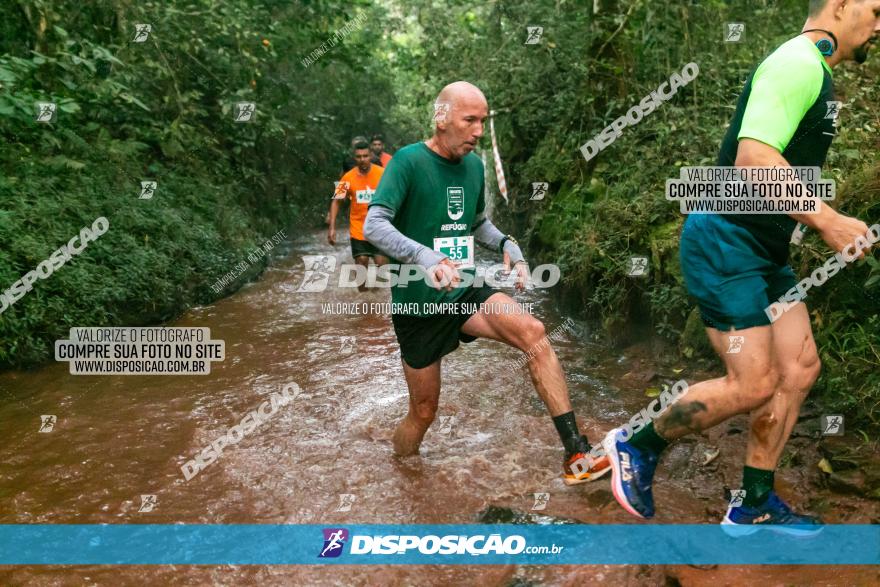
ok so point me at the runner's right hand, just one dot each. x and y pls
(444, 275)
(842, 231)
(331, 236)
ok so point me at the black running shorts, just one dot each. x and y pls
(425, 339)
(361, 248)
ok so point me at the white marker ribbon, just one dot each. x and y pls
(499, 170)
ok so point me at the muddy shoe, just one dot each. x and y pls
(632, 471)
(581, 467)
(774, 514)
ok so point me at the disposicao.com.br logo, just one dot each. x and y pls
(452, 544)
(321, 268)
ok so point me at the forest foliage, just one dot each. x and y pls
(163, 110)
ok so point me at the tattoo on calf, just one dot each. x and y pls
(680, 418)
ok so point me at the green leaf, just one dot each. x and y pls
(6, 108)
(132, 100)
(62, 161)
(69, 106)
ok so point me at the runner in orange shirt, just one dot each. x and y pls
(358, 185)
(377, 146)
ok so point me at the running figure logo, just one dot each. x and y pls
(318, 270)
(141, 32)
(346, 500)
(541, 501)
(147, 190)
(539, 190)
(347, 345)
(441, 112)
(447, 425)
(736, 497)
(340, 190)
(244, 111)
(637, 267)
(736, 344)
(832, 425)
(534, 34)
(833, 112)
(148, 503)
(47, 423)
(45, 112)
(734, 32)
(334, 540)
(834, 107)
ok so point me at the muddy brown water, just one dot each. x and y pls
(493, 447)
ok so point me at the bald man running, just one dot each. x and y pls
(429, 210)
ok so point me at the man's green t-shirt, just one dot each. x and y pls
(434, 201)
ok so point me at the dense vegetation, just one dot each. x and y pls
(161, 110)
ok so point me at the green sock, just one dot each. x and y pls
(648, 439)
(758, 483)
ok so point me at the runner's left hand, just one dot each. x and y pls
(522, 271)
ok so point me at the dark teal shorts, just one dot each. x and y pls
(729, 273)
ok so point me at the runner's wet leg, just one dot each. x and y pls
(506, 323)
(364, 261)
(424, 397)
(749, 383)
(797, 362)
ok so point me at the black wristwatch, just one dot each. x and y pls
(504, 240)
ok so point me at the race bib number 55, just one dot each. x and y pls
(459, 249)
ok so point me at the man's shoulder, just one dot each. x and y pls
(408, 152)
(473, 160)
(797, 55)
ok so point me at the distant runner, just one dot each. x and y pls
(362, 182)
(377, 146)
(429, 210)
(736, 265)
(349, 163)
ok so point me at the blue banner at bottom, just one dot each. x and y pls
(475, 544)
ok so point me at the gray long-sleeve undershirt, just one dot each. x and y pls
(488, 235)
(379, 231)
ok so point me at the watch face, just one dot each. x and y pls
(825, 47)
